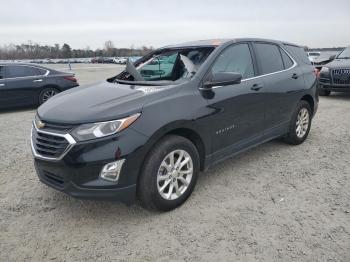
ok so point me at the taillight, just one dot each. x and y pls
(70, 78)
(317, 72)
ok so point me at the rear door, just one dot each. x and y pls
(283, 81)
(23, 84)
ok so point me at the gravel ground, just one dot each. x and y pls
(273, 203)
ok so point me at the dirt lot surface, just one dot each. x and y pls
(273, 203)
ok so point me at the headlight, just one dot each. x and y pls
(102, 129)
(324, 69)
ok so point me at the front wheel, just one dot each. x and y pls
(169, 174)
(46, 94)
(300, 124)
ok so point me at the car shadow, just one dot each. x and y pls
(338, 95)
(107, 210)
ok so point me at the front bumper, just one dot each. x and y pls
(335, 88)
(78, 172)
(82, 182)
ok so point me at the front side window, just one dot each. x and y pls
(345, 54)
(269, 58)
(20, 71)
(235, 59)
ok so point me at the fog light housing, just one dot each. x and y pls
(111, 171)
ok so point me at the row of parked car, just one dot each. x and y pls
(99, 60)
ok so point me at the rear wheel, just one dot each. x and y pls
(300, 124)
(46, 94)
(324, 92)
(169, 174)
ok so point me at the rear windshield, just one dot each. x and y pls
(173, 65)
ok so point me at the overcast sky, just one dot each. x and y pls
(82, 23)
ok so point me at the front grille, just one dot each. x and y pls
(57, 127)
(341, 76)
(49, 145)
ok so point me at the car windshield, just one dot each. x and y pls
(166, 65)
(345, 54)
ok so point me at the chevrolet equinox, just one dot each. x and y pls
(147, 132)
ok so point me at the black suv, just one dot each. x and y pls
(335, 76)
(148, 131)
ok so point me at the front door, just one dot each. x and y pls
(238, 117)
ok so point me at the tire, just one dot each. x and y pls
(155, 175)
(297, 135)
(46, 94)
(323, 92)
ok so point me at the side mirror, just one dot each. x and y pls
(223, 79)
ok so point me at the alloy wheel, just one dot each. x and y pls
(302, 124)
(48, 94)
(174, 174)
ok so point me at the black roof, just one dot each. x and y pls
(218, 42)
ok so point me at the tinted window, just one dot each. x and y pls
(21, 71)
(236, 58)
(299, 53)
(41, 71)
(288, 63)
(2, 72)
(269, 58)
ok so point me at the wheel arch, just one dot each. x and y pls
(308, 98)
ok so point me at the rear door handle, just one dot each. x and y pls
(295, 76)
(256, 87)
(37, 80)
(2, 84)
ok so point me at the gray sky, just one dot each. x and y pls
(161, 22)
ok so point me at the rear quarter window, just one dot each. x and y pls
(298, 53)
(288, 63)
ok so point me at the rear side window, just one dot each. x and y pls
(2, 72)
(298, 53)
(236, 58)
(288, 63)
(21, 71)
(269, 58)
(41, 71)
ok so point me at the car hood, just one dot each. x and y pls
(98, 102)
(339, 63)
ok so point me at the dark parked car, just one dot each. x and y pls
(335, 76)
(27, 84)
(148, 131)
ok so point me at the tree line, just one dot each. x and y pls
(33, 50)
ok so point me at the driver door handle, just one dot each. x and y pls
(256, 87)
(2, 84)
(37, 80)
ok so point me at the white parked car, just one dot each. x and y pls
(313, 55)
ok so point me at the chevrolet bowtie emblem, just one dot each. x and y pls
(40, 124)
